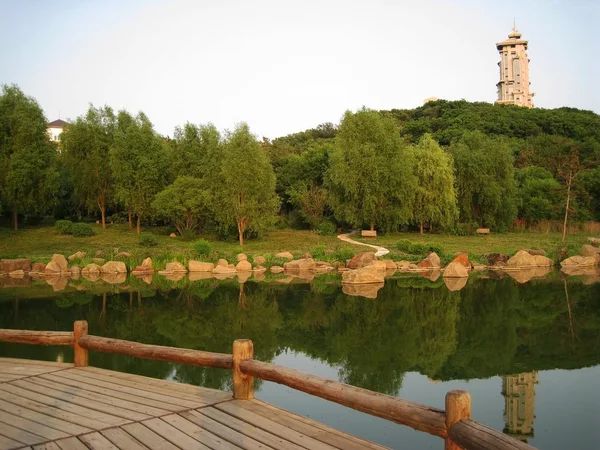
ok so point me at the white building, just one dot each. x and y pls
(55, 129)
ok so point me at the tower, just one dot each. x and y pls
(519, 404)
(513, 87)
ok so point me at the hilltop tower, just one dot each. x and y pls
(519, 404)
(513, 87)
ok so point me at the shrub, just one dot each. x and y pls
(403, 245)
(435, 248)
(82, 230)
(188, 235)
(417, 249)
(318, 252)
(63, 226)
(327, 228)
(343, 254)
(202, 247)
(147, 240)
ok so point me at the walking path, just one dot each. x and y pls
(380, 250)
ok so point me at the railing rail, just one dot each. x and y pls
(454, 424)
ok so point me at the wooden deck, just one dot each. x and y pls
(54, 406)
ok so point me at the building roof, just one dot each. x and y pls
(58, 124)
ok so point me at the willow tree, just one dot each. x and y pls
(435, 196)
(85, 145)
(370, 178)
(243, 189)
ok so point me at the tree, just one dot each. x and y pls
(184, 203)
(539, 194)
(192, 146)
(370, 178)
(86, 144)
(138, 160)
(243, 190)
(435, 196)
(485, 180)
(28, 174)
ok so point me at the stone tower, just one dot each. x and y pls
(513, 87)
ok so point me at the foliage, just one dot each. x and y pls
(327, 228)
(539, 193)
(63, 226)
(370, 173)
(81, 229)
(202, 247)
(418, 249)
(403, 245)
(147, 239)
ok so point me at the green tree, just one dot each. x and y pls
(539, 194)
(184, 203)
(435, 196)
(485, 180)
(28, 174)
(370, 178)
(243, 187)
(193, 144)
(139, 162)
(86, 144)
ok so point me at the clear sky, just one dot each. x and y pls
(284, 66)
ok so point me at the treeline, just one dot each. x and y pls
(452, 166)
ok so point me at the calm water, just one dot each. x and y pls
(529, 357)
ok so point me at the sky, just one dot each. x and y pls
(285, 66)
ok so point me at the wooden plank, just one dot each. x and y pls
(310, 428)
(35, 362)
(52, 411)
(117, 416)
(71, 444)
(474, 436)
(53, 422)
(415, 415)
(173, 435)
(19, 435)
(148, 437)
(47, 446)
(169, 390)
(23, 370)
(122, 439)
(104, 397)
(37, 337)
(44, 431)
(8, 444)
(105, 419)
(247, 429)
(223, 431)
(157, 352)
(72, 374)
(96, 441)
(110, 392)
(232, 408)
(201, 435)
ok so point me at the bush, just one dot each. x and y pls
(403, 245)
(82, 230)
(147, 240)
(202, 247)
(318, 252)
(188, 235)
(418, 249)
(343, 254)
(435, 248)
(327, 228)
(64, 226)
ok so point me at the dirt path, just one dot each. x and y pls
(380, 250)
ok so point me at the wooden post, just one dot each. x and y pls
(458, 407)
(243, 385)
(80, 354)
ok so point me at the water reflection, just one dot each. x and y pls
(519, 404)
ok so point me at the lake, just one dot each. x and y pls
(529, 353)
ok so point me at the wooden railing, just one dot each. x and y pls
(454, 424)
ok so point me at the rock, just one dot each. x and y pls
(145, 268)
(123, 255)
(525, 275)
(300, 264)
(37, 269)
(377, 265)
(413, 268)
(75, 270)
(543, 261)
(432, 261)
(432, 275)
(19, 273)
(535, 252)
(175, 267)
(78, 255)
(362, 290)
(284, 255)
(199, 266)
(578, 261)
(425, 264)
(114, 267)
(259, 276)
(259, 269)
(259, 260)
(463, 258)
(455, 270)
(361, 260)
(588, 250)
(594, 241)
(403, 264)
(114, 278)
(219, 269)
(58, 283)
(172, 235)
(10, 265)
(222, 262)
(521, 259)
(90, 268)
(362, 276)
(243, 266)
(390, 264)
(98, 261)
(243, 276)
(307, 255)
(58, 265)
(98, 253)
(479, 267)
(579, 270)
(455, 284)
(241, 257)
(196, 276)
(173, 276)
(482, 231)
(276, 269)
(495, 259)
